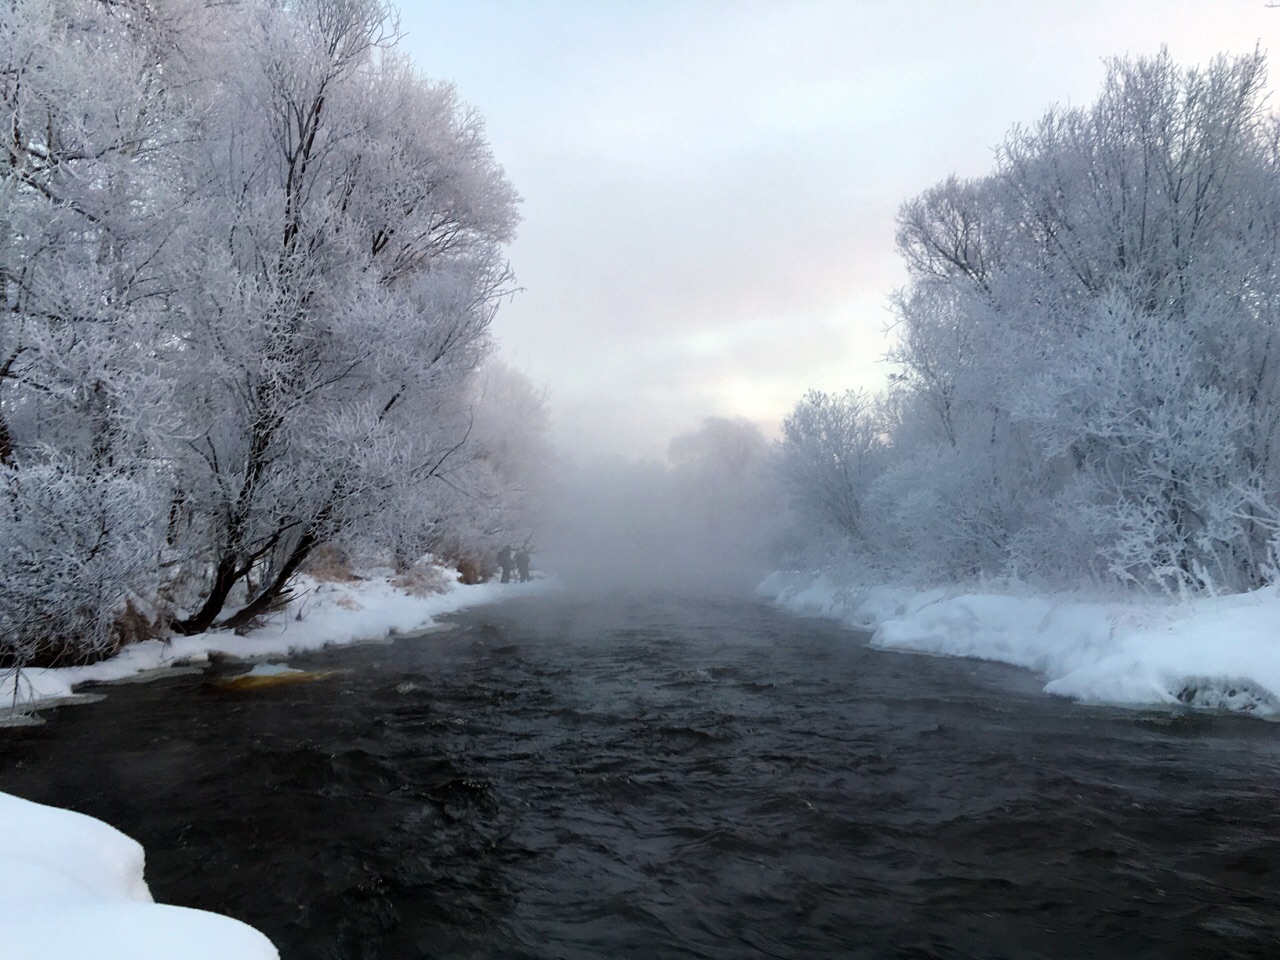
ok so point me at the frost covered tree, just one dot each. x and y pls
(510, 445)
(489, 493)
(1096, 320)
(1088, 385)
(87, 179)
(352, 223)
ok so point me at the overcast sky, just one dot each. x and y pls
(710, 185)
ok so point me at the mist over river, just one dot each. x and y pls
(668, 777)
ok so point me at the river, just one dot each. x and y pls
(657, 777)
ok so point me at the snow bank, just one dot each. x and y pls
(324, 613)
(71, 888)
(1217, 653)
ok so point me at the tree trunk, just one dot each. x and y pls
(228, 573)
(269, 594)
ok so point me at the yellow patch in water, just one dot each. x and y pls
(257, 681)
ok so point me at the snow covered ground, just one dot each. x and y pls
(1214, 653)
(325, 613)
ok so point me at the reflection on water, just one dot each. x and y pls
(661, 778)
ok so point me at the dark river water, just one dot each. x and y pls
(658, 778)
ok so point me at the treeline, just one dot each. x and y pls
(249, 260)
(1089, 367)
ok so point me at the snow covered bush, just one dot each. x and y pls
(74, 548)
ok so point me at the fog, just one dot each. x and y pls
(704, 520)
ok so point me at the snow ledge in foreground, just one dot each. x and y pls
(1220, 653)
(71, 888)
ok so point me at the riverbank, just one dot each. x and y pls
(1217, 653)
(371, 606)
(72, 886)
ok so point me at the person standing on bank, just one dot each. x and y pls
(505, 562)
(522, 564)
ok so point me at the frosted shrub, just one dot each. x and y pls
(1073, 541)
(1162, 491)
(424, 579)
(73, 547)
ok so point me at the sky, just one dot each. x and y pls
(709, 186)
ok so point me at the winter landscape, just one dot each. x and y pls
(543, 476)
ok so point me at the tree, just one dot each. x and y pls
(831, 453)
(723, 504)
(491, 492)
(353, 221)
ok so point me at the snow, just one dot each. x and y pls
(1220, 653)
(71, 888)
(272, 670)
(324, 613)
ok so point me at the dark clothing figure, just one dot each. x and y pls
(522, 564)
(505, 562)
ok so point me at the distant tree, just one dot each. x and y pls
(511, 442)
(491, 492)
(720, 465)
(723, 500)
(830, 454)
